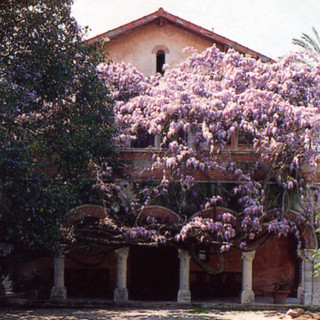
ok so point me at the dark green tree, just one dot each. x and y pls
(55, 120)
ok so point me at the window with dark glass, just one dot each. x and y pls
(245, 139)
(161, 60)
(144, 140)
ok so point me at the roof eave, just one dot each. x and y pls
(162, 16)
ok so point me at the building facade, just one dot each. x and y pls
(136, 272)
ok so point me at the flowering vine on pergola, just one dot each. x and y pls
(196, 111)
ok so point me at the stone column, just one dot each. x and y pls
(307, 267)
(58, 291)
(316, 285)
(157, 141)
(190, 139)
(184, 294)
(7, 284)
(301, 283)
(247, 294)
(121, 291)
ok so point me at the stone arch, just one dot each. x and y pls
(212, 212)
(309, 239)
(308, 236)
(160, 47)
(86, 211)
(160, 213)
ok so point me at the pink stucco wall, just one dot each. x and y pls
(137, 47)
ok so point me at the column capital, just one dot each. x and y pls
(306, 254)
(122, 252)
(316, 260)
(183, 254)
(248, 256)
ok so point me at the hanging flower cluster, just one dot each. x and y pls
(198, 110)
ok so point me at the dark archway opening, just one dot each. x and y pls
(154, 273)
(205, 286)
(87, 283)
(161, 60)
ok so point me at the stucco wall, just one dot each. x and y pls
(137, 47)
(274, 262)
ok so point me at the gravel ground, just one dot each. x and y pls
(140, 314)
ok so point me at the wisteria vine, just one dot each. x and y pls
(199, 112)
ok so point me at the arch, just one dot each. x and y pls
(160, 47)
(308, 236)
(160, 213)
(86, 211)
(212, 212)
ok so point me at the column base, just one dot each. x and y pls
(7, 285)
(316, 289)
(58, 293)
(184, 296)
(121, 295)
(316, 300)
(247, 296)
(306, 299)
(300, 292)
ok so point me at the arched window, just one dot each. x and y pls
(161, 60)
(160, 51)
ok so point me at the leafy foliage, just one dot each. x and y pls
(309, 44)
(55, 119)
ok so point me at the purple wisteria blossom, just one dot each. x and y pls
(200, 111)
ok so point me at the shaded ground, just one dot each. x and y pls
(145, 314)
(141, 314)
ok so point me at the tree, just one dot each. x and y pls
(309, 44)
(196, 109)
(55, 120)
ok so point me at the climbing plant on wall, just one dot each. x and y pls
(196, 110)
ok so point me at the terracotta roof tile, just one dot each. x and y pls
(160, 16)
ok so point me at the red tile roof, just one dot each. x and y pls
(161, 17)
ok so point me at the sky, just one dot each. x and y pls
(266, 26)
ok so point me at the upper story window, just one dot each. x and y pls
(161, 60)
(144, 140)
(245, 140)
(161, 52)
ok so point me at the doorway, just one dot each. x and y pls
(154, 273)
(87, 283)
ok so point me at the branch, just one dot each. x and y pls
(206, 268)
